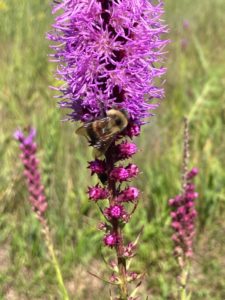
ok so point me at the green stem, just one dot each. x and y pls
(122, 268)
(183, 294)
(121, 260)
(55, 262)
(183, 284)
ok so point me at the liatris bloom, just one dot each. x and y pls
(183, 217)
(31, 172)
(183, 223)
(109, 53)
(37, 197)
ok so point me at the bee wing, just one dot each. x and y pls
(101, 146)
(81, 131)
(107, 136)
(100, 133)
(84, 130)
(108, 131)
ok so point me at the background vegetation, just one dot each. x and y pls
(195, 87)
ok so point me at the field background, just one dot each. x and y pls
(195, 87)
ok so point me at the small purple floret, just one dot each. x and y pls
(129, 194)
(126, 150)
(97, 193)
(119, 174)
(97, 167)
(133, 130)
(132, 170)
(110, 240)
(192, 173)
(115, 211)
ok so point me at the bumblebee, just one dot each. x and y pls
(101, 132)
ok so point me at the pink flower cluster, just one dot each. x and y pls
(183, 218)
(123, 174)
(126, 150)
(97, 193)
(115, 175)
(31, 172)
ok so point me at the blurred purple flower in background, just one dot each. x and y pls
(186, 24)
(183, 218)
(36, 195)
(185, 40)
(36, 189)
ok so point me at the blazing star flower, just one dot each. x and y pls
(37, 197)
(183, 213)
(109, 53)
(183, 218)
(36, 189)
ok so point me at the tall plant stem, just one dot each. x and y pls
(121, 261)
(186, 154)
(121, 266)
(183, 284)
(55, 263)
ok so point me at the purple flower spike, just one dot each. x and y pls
(109, 55)
(183, 215)
(183, 218)
(31, 172)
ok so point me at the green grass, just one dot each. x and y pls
(195, 87)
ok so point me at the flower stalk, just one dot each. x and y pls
(183, 214)
(117, 231)
(109, 53)
(55, 263)
(37, 197)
